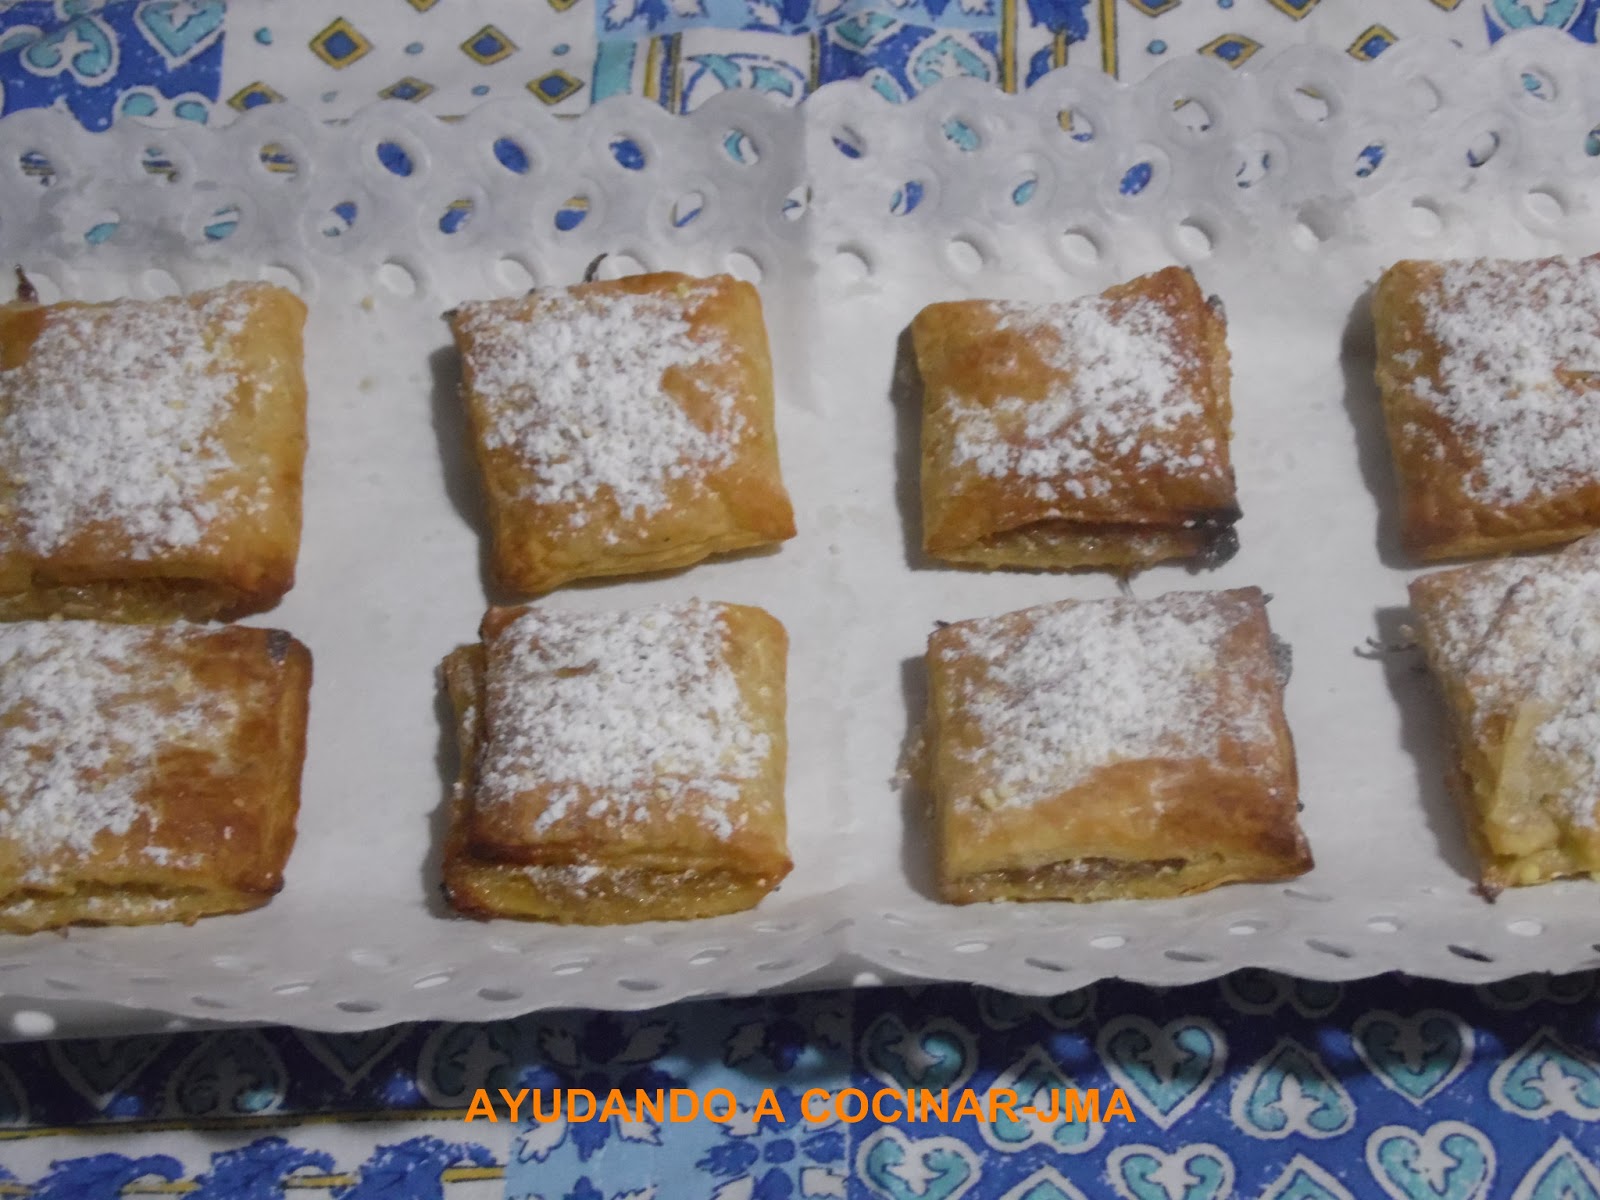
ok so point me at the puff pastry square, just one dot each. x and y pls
(622, 427)
(147, 774)
(619, 767)
(151, 455)
(1489, 374)
(1515, 646)
(1111, 749)
(1087, 433)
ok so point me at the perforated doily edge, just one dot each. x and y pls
(797, 255)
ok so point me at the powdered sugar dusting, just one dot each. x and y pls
(1519, 372)
(580, 392)
(1543, 649)
(112, 420)
(80, 727)
(616, 712)
(1070, 688)
(1120, 381)
(1475, 602)
(577, 878)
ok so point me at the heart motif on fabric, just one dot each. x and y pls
(1165, 1069)
(1199, 1172)
(1259, 992)
(98, 1069)
(231, 1074)
(1290, 1091)
(1547, 1076)
(1043, 1088)
(83, 47)
(1002, 1010)
(350, 1056)
(1450, 1161)
(901, 1168)
(937, 1054)
(1560, 1174)
(180, 40)
(1417, 1056)
(1044, 1184)
(1524, 991)
(1302, 1179)
(1552, 14)
(456, 1060)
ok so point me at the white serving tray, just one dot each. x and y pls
(1254, 182)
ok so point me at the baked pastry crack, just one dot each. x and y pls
(1515, 647)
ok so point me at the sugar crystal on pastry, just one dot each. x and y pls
(1489, 374)
(1117, 383)
(1081, 685)
(145, 771)
(1088, 432)
(622, 427)
(1118, 748)
(614, 712)
(1514, 337)
(603, 423)
(119, 423)
(1515, 646)
(618, 766)
(75, 755)
(150, 455)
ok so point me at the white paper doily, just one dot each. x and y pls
(1288, 187)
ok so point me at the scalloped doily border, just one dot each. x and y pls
(810, 199)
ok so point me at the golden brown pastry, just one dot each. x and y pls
(151, 455)
(1087, 433)
(618, 767)
(1489, 373)
(147, 773)
(1111, 749)
(1515, 646)
(622, 427)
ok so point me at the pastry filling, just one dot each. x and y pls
(1072, 878)
(1212, 540)
(99, 902)
(592, 894)
(124, 599)
(1073, 873)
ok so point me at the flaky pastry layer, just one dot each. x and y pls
(509, 856)
(1492, 412)
(1525, 791)
(538, 424)
(1171, 812)
(167, 519)
(176, 799)
(112, 905)
(1088, 434)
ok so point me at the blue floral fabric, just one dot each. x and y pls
(1253, 1086)
(1257, 1086)
(99, 62)
(203, 59)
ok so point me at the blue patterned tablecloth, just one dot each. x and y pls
(1257, 1086)
(200, 59)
